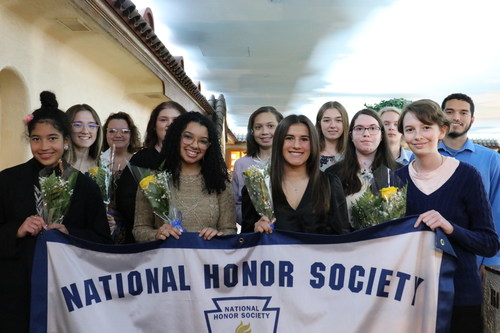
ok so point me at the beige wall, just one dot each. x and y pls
(39, 53)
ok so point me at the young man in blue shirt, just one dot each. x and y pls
(459, 109)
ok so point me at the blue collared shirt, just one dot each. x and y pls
(487, 162)
(404, 156)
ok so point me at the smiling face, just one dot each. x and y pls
(264, 126)
(390, 120)
(331, 124)
(47, 144)
(366, 143)
(163, 122)
(297, 146)
(459, 114)
(84, 129)
(193, 144)
(118, 138)
(422, 138)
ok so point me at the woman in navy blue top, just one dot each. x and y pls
(449, 194)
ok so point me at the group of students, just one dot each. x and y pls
(317, 173)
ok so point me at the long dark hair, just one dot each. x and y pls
(151, 138)
(320, 199)
(349, 167)
(135, 143)
(252, 146)
(213, 167)
(95, 149)
(342, 141)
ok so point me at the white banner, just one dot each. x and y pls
(389, 278)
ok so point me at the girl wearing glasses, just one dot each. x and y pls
(260, 131)
(160, 120)
(48, 131)
(367, 161)
(123, 136)
(201, 189)
(304, 198)
(122, 141)
(450, 195)
(86, 136)
(332, 124)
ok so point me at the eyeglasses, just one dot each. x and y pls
(114, 131)
(78, 126)
(372, 130)
(188, 139)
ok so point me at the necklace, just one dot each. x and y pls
(297, 186)
(262, 160)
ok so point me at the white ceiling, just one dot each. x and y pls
(297, 54)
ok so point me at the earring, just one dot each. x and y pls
(66, 147)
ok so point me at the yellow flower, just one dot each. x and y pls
(250, 172)
(94, 171)
(388, 192)
(144, 184)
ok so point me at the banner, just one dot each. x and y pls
(388, 278)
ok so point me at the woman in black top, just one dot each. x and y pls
(148, 157)
(305, 199)
(49, 136)
(367, 160)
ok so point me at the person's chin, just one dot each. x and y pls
(455, 134)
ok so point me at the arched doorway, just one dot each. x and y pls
(14, 105)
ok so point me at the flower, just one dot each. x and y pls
(56, 192)
(156, 187)
(102, 175)
(144, 183)
(257, 181)
(372, 209)
(94, 171)
(27, 119)
(388, 192)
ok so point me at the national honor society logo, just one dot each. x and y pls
(242, 315)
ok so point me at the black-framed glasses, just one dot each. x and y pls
(372, 130)
(78, 126)
(114, 131)
(188, 139)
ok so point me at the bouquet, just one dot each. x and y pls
(371, 209)
(257, 181)
(156, 186)
(102, 175)
(56, 193)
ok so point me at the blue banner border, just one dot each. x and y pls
(38, 321)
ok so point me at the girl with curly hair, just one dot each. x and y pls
(191, 153)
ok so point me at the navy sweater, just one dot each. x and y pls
(462, 201)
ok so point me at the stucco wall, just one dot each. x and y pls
(39, 53)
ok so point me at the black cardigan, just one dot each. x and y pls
(86, 218)
(126, 188)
